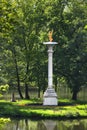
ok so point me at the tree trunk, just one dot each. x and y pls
(39, 92)
(26, 91)
(26, 85)
(74, 95)
(39, 87)
(27, 68)
(55, 82)
(17, 75)
(19, 90)
(13, 97)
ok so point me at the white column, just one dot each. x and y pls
(50, 96)
(50, 66)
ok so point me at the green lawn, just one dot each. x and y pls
(35, 109)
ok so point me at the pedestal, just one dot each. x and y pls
(50, 97)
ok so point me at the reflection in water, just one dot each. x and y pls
(27, 124)
(50, 124)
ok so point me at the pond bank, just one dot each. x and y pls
(31, 109)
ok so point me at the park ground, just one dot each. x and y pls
(66, 109)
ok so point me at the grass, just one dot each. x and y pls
(35, 109)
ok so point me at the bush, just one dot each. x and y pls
(3, 89)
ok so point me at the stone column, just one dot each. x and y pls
(50, 66)
(50, 97)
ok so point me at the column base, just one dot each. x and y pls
(50, 97)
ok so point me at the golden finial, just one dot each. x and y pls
(50, 35)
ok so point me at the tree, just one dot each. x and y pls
(72, 54)
(68, 20)
(25, 20)
(9, 23)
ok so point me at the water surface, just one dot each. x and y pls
(28, 124)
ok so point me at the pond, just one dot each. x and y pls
(28, 124)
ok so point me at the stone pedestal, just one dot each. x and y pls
(50, 97)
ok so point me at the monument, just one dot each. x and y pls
(50, 96)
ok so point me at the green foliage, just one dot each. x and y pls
(3, 89)
(72, 51)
